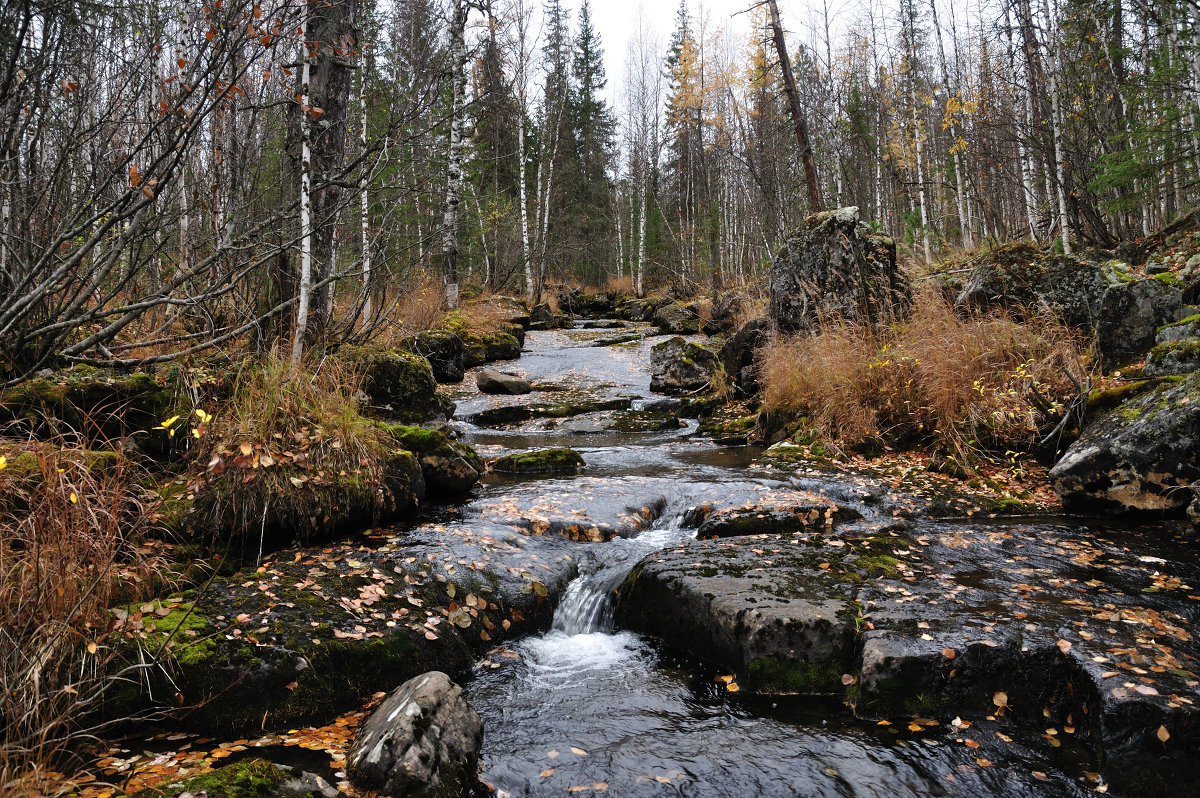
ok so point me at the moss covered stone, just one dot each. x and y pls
(778, 675)
(251, 778)
(448, 466)
(100, 408)
(542, 461)
(399, 386)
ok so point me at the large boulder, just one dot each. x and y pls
(678, 318)
(444, 351)
(499, 382)
(1123, 310)
(422, 742)
(1143, 456)
(1177, 349)
(1130, 315)
(679, 366)
(449, 467)
(836, 267)
(739, 355)
(398, 386)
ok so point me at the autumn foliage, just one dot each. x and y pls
(969, 384)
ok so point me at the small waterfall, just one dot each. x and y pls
(587, 604)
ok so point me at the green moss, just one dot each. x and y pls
(543, 461)
(1193, 319)
(252, 778)
(1187, 349)
(180, 633)
(776, 675)
(1169, 279)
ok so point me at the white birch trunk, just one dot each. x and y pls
(963, 223)
(1064, 227)
(454, 166)
(305, 200)
(364, 218)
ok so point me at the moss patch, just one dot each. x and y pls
(253, 778)
(542, 461)
(775, 675)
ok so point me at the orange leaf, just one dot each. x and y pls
(949, 653)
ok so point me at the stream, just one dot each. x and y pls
(588, 707)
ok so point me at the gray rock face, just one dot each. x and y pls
(678, 318)
(423, 741)
(541, 317)
(738, 355)
(836, 268)
(679, 366)
(1130, 315)
(1140, 457)
(1123, 310)
(500, 382)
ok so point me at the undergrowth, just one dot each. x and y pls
(69, 527)
(969, 385)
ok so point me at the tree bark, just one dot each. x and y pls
(798, 120)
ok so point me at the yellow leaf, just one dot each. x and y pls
(74, 498)
(732, 687)
(246, 449)
(3, 463)
(1000, 700)
(1163, 735)
(578, 751)
(92, 648)
(167, 424)
(1064, 645)
(547, 773)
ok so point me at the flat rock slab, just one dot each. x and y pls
(1075, 635)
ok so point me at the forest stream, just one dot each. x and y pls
(978, 619)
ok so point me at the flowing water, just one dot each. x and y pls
(586, 707)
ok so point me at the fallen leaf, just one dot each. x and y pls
(949, 653)
(1000, 700)
(1063, 645)
(847, 679)
(1163, 735)
(578, 751)
(547, 773)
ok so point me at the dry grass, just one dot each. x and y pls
(968, 385)
(68, 521)
(620, 285)
(281, 433)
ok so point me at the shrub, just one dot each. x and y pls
(969, 384)
(69, 522)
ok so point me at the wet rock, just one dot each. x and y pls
(398, 386)
(507, 415)
(640, 309)
(481, 349)
(448, 466)
(541, 317)
(422, 742)
(1140, 457)
(443, 350)
(679, 366)
(991, 624)
(739, 356)
(836, 267)
(678, 318)
(541, 461)
(491, 381)
(642, 421)
(581, 303)
(723, 314)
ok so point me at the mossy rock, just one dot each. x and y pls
(102, 409)
(444, 351)
(501, 346)
(251, 778)
(1174, 358)
(448, 466)
(399, 386)
(644, 421)
(542, 461)
(223, 508)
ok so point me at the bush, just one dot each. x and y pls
(969, 384)
(69, 521)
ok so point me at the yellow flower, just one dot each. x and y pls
(3, 462)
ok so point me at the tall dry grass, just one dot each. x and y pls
(970, 385)
(69, 522)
